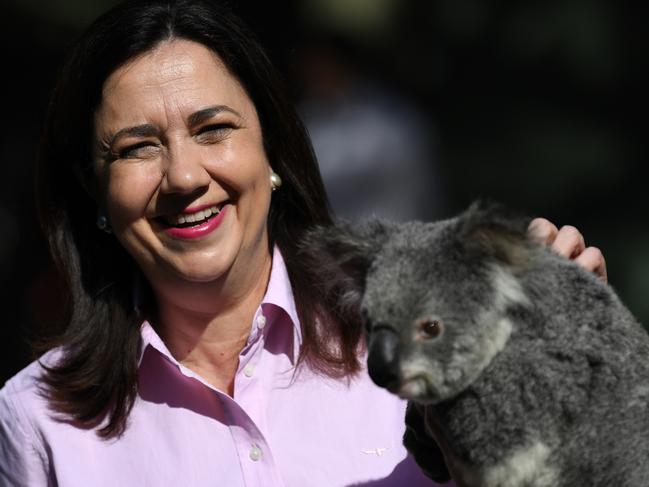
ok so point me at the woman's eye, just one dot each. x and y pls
(214, 131)
(138, 151)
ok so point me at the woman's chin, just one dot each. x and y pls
(205, 274)
(186, 272)
(201, 266)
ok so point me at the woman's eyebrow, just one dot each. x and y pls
(148, 130)
(144, 130)
(207, 113)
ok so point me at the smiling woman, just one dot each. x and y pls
(192, 310)
(187, 188)
(202, 346)
(188, 158)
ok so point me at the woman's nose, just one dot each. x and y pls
(184, 170)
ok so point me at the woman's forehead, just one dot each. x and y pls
(176, 76)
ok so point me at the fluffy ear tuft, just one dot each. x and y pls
(491, 228)
(341, 255)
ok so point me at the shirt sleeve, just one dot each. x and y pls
(22, 459)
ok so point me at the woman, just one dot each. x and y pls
(199, 350)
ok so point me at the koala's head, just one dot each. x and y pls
(434, 296)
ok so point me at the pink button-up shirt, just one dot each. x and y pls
(279, 429)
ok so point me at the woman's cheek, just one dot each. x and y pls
(130, 192)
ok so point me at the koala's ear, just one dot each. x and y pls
(492, 229)
(341, 255)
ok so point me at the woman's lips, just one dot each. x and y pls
(197, 231)
(190, 217)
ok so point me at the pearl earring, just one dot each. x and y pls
(275, 180)
(102, 224)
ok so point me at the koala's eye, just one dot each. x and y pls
(429, 328)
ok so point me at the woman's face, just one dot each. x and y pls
(181, 167)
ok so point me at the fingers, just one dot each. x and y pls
(593, 260)
(543, 231)
(569, 242)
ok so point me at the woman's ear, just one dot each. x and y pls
(85, 176)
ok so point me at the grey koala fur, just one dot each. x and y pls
(539, 376)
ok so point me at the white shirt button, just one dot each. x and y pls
(248, 370)
(255, 453)
(261, 322)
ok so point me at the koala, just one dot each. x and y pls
(525, 368)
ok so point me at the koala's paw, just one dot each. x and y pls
(422, 446)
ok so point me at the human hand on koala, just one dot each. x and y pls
(569, 242)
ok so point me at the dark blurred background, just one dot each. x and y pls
(415, 109)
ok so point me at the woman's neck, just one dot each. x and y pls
(206, 325)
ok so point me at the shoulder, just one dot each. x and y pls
(22, 398)
(24, 459)
(26, 382)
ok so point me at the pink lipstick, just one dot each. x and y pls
(201, 228)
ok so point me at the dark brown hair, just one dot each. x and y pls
(96, 377)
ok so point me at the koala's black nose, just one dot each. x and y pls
(383, 359)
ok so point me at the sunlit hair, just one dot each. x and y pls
(96, 379)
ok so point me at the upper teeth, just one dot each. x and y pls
(194, 217)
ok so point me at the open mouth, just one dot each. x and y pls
(187, 220)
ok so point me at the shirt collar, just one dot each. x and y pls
(278, 293)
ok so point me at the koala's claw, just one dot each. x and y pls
(423, 447)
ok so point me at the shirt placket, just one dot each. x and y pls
(257, 465)
(247, 414)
